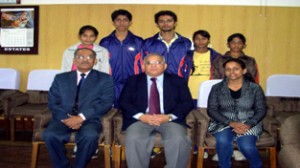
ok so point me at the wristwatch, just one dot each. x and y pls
(170, 118)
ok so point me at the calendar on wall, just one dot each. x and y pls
(19, 30)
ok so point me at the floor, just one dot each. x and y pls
(18, 155)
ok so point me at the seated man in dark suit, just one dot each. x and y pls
(78, 100)
(153, 102)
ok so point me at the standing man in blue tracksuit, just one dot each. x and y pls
(170, 44)
(124, 50)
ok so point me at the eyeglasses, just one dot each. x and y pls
(81, 57)
(154, 62)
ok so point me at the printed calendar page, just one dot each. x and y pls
(17, 37)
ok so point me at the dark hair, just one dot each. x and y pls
(247, 75)
(88, 27)
(118, 12)
(163, 13)
(203, 33)
(238, 35)
(79, 49)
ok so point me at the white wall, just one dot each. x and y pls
(291, 3)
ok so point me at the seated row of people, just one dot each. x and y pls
(151, 102)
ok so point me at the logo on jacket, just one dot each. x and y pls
(131, 49)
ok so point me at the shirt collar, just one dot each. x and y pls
(173, 39)
(79, 73)
(167, 44)
(158, 78)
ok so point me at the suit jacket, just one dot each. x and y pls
(95, 98)
(134, 98)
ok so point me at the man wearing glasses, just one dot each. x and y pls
(156, 102)
(77, 100)
(170, 44)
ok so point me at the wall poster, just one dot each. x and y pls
(19, 29)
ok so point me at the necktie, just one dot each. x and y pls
(154, 105)
(75, 107)
(80, 82)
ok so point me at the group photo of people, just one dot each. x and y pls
(154, 82)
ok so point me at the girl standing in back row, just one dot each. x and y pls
(87, 36)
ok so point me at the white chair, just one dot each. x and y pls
(34, 101)
(10, 79)
(283, 85)
(207, 141)
(41, 79)
(9, 85)
(283, 96)
(204, 90)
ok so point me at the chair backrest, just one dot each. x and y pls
(283, 85)
(9, 78)
(41, 79)
(204, 90)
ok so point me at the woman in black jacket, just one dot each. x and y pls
(236, 107)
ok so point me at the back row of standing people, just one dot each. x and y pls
(121, 53)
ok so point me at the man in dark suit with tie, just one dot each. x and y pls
(78, 100)
(153, 102)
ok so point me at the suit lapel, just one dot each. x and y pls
(167, 91)
(72, 85)
(142, 86)
(90, 79)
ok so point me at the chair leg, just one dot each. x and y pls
(4, 122)
(200, 157)
(123, 157)
(7, 126)
(34, 155)
(12, 129)
(117, 156)
(191, 158)
(107, 156)
(272, 153)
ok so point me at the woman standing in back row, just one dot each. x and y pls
(203, 58)
(87, 36)
(236, 43)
